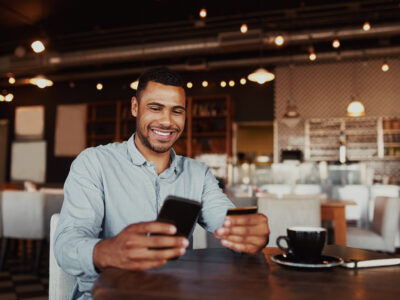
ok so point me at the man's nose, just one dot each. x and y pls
(166, 118)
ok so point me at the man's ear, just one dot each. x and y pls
(134, 106)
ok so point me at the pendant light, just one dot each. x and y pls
(356, 107)
(41, 81)
(261, 75)
(292, 116)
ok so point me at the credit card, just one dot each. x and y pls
(246, 210)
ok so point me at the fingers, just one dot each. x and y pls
(157, 241)
(245, 220)
(144, 265)
(246, 248)
(151, 227)
(244, 233)
(143, 254)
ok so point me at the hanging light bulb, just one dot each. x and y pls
(204, 83)
(134, 84)
(41, 81)
(279, 40)
(223, 83)
(312, 56)
(261, 76)
(189, 85)
(336, 43)
(9, 97)
(11, 80)
(385, 67)
(366, 26)
(99, 86)
(355, 108)
(38, 46)
(243, 81)
(2, 98)
(243, 28)
(231, 83)
(203, 13)
(292, 116)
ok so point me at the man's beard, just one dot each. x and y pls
(146, 142)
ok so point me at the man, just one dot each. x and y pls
(113, 194)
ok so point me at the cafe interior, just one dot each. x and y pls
(293, 105)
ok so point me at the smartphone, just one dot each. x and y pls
(242, 210)
(181, 212)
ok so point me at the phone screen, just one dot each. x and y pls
(181, 212)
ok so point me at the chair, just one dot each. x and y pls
(29, 206)
(53, 202)
(290, 211)
(359, 194)
(277, 189)
(61, 284)
(384, 227)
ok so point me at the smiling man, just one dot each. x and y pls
(113, 194)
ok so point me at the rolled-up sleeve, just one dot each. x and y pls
(215, 203)
(80, 224)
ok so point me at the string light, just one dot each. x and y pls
(189, 85)
(2, 98)
(243, 81)
(231, 83)
(336, 43)
(9, 97)
(279, 40)
(134, 84)
(11, 80)
(99, 86)
(366, 26)
(385, 67)
(38, 46)
(223, 83)
(204, 83)
(203, 13)
(243, 28)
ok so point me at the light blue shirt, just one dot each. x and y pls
(110, 187)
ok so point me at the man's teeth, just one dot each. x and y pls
(162, 133)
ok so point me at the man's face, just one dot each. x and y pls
(160, 115)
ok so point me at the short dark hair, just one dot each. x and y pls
(161, 75)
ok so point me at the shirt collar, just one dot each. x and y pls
(139, 159)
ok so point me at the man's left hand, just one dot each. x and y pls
(244, 233)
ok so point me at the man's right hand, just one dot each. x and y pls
(134, 249)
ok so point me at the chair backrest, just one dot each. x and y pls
(386, 219)
(286, 212)
(26, 206)
(61, 284)
(383, 190)
(359, 194)
(307, 189)
(277, 189)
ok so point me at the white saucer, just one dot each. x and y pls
(326, 262)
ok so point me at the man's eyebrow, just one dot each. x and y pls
(155, 103)
(162, 105)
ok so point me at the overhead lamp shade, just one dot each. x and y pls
(261, 76)
(41, 81)
(355, 109)
(291, 117)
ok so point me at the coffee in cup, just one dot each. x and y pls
(304, 244)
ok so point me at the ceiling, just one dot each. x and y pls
(86, 39)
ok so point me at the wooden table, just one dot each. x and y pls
(334, 210)
(224, 274)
